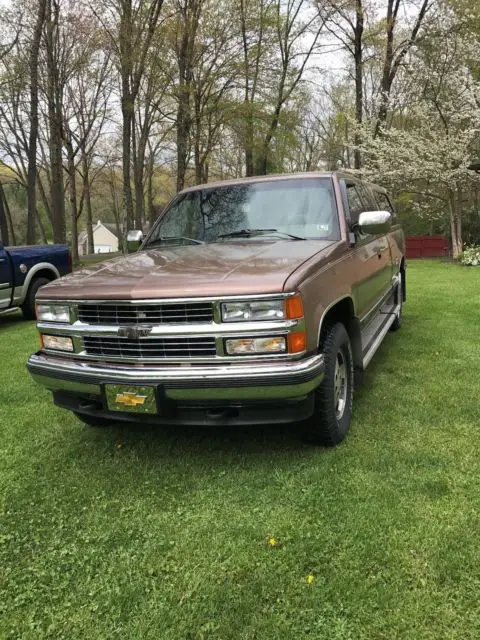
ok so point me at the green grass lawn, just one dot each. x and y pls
(161, 533)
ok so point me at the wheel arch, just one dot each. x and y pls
(343, 310)
(40, 270)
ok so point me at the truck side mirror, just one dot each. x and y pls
(375, 222)
(134, 240)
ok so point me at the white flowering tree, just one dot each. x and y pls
(431, 141)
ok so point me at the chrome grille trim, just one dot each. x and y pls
(153, 314)
(150, 348)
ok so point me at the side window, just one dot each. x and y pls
(368, 198)
(355, 203)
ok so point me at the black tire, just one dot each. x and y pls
(28, 307)
(94, 421)
(397, 323)
(333, 399)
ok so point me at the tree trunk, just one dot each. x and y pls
(138, 176)
(249, 142)
(197, 154)
(4, 237)
(46, 202)
(9, 218)
(151, 212)
(393, 59)
(183, 134)
(33, 134)
(358, 81)
(72, 188)
(198, 164)
(190, 14)
(262, 162)
(115, 210)
(88, 203)
(127, 115)
(455, 224)
(55, 128)
(133, 46)
(385, 85)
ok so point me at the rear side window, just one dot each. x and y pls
(383, 202)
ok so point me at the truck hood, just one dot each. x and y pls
(219, 269)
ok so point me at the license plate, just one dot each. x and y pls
(131, 398)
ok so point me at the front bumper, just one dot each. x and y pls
(287, 379)
(210, 386)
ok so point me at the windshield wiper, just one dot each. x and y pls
(249, 233)
(174, 239)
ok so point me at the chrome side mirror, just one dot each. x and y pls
(134, 240)
(375, 222)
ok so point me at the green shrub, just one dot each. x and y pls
(470, 256)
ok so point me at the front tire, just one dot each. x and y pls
(94, 421)
(331, 419)
(28, 306)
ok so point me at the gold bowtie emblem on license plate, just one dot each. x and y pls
(130, 399)
(140, 399)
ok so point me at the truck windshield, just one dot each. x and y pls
(293, 209)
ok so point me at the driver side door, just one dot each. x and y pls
(370, 253)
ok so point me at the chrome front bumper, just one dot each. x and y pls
(287, 379)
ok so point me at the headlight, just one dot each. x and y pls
(57, 343)
(253, 311)
(246, 346)
(53, 313)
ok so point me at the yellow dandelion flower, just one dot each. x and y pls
(272, 542)
(310, 579)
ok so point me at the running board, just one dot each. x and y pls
(10, 310)
(385, 326)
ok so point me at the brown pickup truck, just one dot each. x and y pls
(249, 301)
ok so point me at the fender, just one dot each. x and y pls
(327, 309)
(19, 293)
(352, 325)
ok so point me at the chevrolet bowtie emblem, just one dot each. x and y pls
(135, 332)
(130, 399)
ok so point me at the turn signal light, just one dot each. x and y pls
(294, 308)
(297, 342)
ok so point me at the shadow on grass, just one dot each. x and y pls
(11, 319)
(178, 462)
(150, 441)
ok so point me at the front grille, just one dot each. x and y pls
(121, 314)
(153, 348)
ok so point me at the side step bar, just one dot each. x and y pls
(387, 321)
(11, 310)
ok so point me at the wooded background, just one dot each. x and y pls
(108, 107)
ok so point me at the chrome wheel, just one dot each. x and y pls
(340, 385)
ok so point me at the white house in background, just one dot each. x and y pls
(105, 239)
